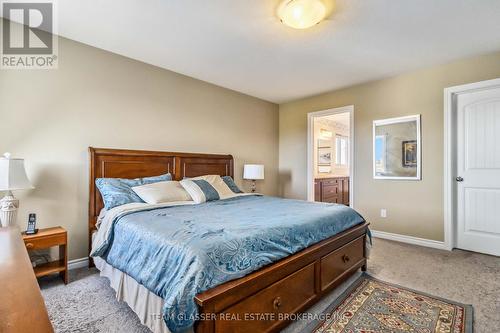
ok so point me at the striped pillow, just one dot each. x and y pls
(214, 181)
(200, 190)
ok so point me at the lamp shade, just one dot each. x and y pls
(12, 174)
(253, 171)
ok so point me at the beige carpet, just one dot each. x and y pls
(87, 304)
(461, 276)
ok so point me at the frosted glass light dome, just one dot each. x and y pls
(301, 14)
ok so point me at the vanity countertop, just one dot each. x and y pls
(326, 176)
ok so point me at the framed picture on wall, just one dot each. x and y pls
(324, 156)
(409, 153)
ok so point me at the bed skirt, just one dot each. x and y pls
(144, 303)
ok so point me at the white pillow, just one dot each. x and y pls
(166, 191)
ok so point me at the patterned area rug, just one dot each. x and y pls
(373, 306)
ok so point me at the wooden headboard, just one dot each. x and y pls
(121, 163)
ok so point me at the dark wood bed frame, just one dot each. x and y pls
(265, 300)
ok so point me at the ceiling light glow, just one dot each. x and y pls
(301, 14)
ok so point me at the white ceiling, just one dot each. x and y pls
(241, 45)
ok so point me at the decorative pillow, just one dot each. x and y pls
(118, 191)
(219, 185)
(167, 191)
(200, 190)
(231, 184)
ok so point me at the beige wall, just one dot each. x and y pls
(96, 98)
(414, 208)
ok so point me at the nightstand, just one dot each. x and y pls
(46, 238)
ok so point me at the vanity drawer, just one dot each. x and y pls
(332, 199)
(331, 193)
(287, 295)
(330, 182)
(329, 190)
(335, 264)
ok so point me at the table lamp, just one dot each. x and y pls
(12, 177)
(253, 172)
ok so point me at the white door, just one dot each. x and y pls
(478, 171)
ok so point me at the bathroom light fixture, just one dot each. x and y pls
(325, 133)
(302, 14)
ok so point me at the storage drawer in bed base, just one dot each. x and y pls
(266, 300)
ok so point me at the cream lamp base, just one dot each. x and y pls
(8, 210)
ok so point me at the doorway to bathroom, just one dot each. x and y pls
(330, 156)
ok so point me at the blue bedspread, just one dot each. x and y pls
(178, 252)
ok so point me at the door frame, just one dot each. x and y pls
(310, 148)
(450, 148)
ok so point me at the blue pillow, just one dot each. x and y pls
(118, 191)
(231, 184)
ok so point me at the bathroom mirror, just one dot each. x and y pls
(397, 148)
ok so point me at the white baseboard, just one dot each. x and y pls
(409, 240)
(78, 263)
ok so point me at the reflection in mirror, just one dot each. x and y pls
(396, 148)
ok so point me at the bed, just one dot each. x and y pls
(295, 274)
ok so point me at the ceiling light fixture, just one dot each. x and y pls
(302, 14)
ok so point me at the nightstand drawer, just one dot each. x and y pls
(45, 242)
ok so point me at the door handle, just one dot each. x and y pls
(459, 179)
